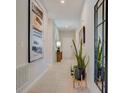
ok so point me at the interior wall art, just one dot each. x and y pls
(35, 31)
(82, 34)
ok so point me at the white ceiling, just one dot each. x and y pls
(66, 16)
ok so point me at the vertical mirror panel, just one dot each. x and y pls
(100, 45)
(100, 55)
(100, 12)
(99, 2)
(105, 10)
(104, 62)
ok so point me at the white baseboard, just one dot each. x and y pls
(24, 90)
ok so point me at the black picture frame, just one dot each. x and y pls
(35, 31)
(84, 34)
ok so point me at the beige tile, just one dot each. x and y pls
(57, 80)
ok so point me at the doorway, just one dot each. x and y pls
(66, 39)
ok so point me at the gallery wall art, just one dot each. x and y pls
(35, 31)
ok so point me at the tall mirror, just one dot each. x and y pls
(100, 43)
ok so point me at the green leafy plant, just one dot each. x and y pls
(81, 60)
(99, 59)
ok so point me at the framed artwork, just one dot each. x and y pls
(82, 34)
(35, 31)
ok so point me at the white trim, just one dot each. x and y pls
(20, 90)
(34, 81)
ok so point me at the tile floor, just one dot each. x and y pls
(57, 80)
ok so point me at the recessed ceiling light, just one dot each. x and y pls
(66, 26)
(62, 1)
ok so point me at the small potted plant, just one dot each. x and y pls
(82, 63)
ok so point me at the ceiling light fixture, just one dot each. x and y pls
(62, 1)
(66, 26)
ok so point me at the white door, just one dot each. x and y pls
(67, 48)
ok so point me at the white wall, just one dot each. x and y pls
(26, 72)
(67, 45)
(87, 19)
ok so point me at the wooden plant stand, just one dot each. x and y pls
(79, 83)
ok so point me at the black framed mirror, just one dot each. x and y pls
(100, 45)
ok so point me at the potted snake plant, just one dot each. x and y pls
(82, 63)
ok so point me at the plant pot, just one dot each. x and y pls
(72, 72)
(83, 74)
(78, 73)
(99, 75)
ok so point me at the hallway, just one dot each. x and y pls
(57, 80)
(46, 30)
